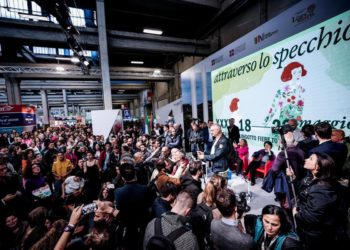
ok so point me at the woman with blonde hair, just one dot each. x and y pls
(215, 183)
(205, 211)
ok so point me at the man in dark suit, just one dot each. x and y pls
(337, 151)
(219, 152)
(233, 132)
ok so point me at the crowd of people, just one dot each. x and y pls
(65, 188)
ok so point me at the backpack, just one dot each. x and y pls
(159, 241)
(201, 217)
(152, 187)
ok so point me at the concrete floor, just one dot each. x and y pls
(259, 197)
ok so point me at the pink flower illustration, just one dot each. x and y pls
(270, 111)
(300, 103)
(280, 104)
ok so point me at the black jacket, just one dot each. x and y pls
(317, 208)
(219, 159)
(337, 151)
(192, 186)
(233, 134)
(160, 207)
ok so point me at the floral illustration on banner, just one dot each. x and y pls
(288, 101)
(234, 104)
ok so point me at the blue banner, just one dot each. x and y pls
(17, 119)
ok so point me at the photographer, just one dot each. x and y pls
(295, 156)
(196, 139)
(298, 136)
(226, 233)
(292, 156)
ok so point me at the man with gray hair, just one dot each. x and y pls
(219, 151)
(298, 136)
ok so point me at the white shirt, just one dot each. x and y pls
(230, 222)
(212, 151)
(72, 185)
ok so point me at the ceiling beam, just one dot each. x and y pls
(48, 71)
(79, 85)
(26, 53)
(81, 97)
(49, 34)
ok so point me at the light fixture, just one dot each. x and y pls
(156, 72)
(34, 17)
(136, 62)
(63, 58)
(74, 59)
(153, 31)
(86, 63)
(59, 68)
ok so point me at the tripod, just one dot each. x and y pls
(284, 147)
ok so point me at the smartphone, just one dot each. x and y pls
(89, 208)
(110, 186)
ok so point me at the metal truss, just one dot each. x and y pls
(118, 72)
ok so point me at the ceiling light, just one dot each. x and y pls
(152, 31)
(74, 59)
(59, 68)
(156, 72)
(63, 58)
(136, 62)
(34, 17)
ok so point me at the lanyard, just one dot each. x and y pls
(265, 246)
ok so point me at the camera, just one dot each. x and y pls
(284, 129)
(89, 208)
(242, 204)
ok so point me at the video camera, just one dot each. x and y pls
(284, 129)
(242, 204)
